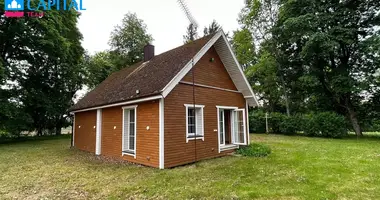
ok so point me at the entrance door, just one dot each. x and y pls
(222, 130)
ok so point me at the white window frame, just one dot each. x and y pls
(199, 136)
(123, 133)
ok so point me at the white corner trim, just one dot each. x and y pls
(248, 133)
(161, 134)
(238, 64)
(170, 86)
(73, 133)
(98, 144)
(121, 104)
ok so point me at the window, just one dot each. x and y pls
(194, 122)
(129, 131)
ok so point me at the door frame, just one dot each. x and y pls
(231, 108)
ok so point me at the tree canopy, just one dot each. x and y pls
(322, 55)
(128, 39)
(40, 70)
(127, 43)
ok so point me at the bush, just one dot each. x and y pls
(257, 122)
(274, 121)
(321, 124)
(324, 124)
(255, 150)
(290, 125)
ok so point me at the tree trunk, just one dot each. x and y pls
(285, 96)
(287, 104)
(355, 122)
(39, 132)
(58, 130)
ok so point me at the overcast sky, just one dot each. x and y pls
(164, 18)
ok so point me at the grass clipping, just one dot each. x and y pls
(255, 150)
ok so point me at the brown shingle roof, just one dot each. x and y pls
(149, 78)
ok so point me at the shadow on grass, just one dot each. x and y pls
(24, 139)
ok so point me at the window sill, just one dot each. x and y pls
(129, 153)
(195, 138)
(228, 147)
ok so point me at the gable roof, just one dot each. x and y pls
(162, 73)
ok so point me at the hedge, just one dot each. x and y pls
(322, 124)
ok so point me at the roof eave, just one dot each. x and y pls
(122, 103)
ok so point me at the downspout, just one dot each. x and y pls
(195, 119)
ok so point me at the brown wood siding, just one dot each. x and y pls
(177, 151)
(211, 73)
(147, 152)
(85, 136)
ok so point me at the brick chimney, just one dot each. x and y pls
(148, 52)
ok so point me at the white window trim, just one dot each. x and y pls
(201, 136)
(122, 141)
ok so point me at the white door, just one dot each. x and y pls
(222, 132)
(238, 128)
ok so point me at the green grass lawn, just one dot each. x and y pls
(298, 168)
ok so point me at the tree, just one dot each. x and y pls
(259, 16)
(244, 47)
(265, 81)
(127, 43)
(41, 66)
(212, 28)
(191, 34)
(99, 67)
(334, 43)
(128, 40)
